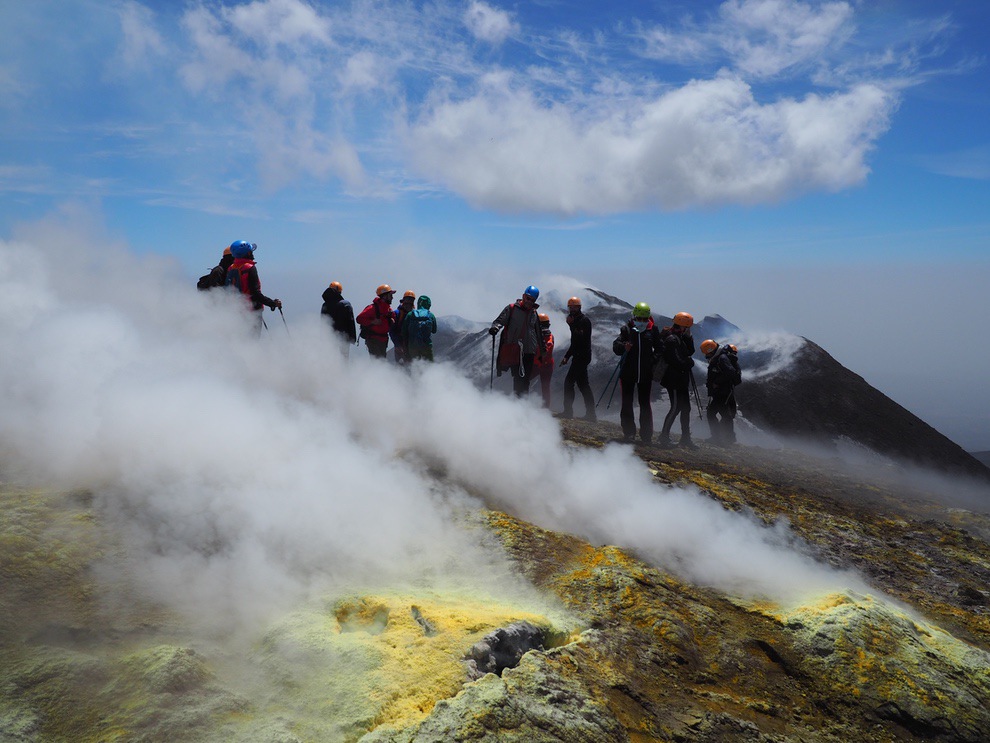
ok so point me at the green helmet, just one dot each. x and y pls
(641, 310)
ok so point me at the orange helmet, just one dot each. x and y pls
(574, 302)
(409, 295)
(544, 318)
(683, 319)
(384, 289)
(733, 348)
(708, 346)
(226, 251)
(335, 285)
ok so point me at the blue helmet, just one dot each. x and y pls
(533, 292)
(242, 248)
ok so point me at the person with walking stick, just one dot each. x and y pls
(639, 343)
(243, 277)
(520, 339)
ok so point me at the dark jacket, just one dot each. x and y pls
(520, 324)
(580, 348)
(723, 373)
(639, 361)
(340, 312)
(677, 351)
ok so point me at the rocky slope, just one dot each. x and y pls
(631, 652)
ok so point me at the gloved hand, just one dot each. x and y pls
(493, 330)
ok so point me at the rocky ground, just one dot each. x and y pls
(644, 656)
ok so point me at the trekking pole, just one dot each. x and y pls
(491, 383)
(609, 382)
(697, 397)
(612, 394)
(284, 322)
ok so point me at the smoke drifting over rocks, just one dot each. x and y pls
(246, 471)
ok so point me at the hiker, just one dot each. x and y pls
(340, 314)
(678, 348)
(218, 274)
(638, 343)
(580, 352)
(376, 321)
(243, 276)
(406, 305)
(723, 375)
(417, 332)
(520, 339)
(543, 363)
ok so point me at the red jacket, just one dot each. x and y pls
(375, 320)
(544, 356)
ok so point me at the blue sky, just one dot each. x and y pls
(816, 167)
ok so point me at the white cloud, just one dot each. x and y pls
(706, 143)
(142, 43)
(757, 38)
(489, 24)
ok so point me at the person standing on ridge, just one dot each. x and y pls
(406, 305)
(218, 274)
(243, 276)
(417, 332)
(580, 352)
(638, 343)
(678, 348)
(520, 339)
(723, 375)
(340, 313)
(376, 321)
(543, 363)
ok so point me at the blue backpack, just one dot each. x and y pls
(420, 326)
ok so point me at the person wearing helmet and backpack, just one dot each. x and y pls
(678, 348)
(723, 376)
(406, 305)
(243, 276)
(543, 363)
(580, 352)
(417, 331)
(376, 321)
(340, 313)
(638, 343)
(520, 339)
(218, 274)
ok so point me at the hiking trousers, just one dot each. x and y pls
(546, 373)
(680, 405)
(521, 377)
(721, 412)
(377, 347)
(578, 375)
(641, 390)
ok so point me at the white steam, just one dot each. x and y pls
(250, 471)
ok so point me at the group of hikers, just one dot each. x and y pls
(647, 353)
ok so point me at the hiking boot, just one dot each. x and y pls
(591, 417)
(664, 442)
(686, 443)
(567, 415)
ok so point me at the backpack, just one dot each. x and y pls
(737, 372)
(420, 327)
(213, 279)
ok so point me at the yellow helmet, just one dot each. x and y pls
(335, 285)
(384, 289)
(708, 346)
(683, 319)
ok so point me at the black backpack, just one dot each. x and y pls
(216, 277)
